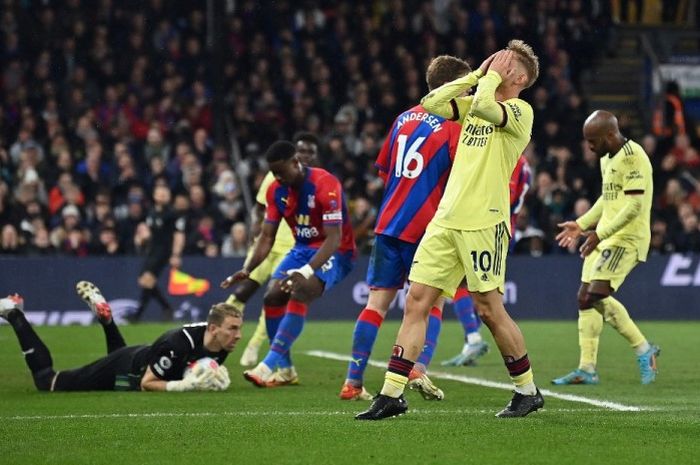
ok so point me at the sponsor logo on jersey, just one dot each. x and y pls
(333, 216)
(515, 109)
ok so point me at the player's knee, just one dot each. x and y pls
(586, 300)
(417, 306)
(275, 298)
(43, 379)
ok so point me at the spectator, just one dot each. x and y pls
(236, 243)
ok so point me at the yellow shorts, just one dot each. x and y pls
(609, 262)
(263, 272)
(446, 256)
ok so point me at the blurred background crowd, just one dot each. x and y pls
(101, 100)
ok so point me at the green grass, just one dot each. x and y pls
(307, 424)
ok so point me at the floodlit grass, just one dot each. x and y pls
(307, 424)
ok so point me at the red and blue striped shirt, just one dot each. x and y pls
(415, 162)
(317, 203)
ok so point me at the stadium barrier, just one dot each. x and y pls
(665, 288)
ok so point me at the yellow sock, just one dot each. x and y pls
(394, 384)
(237, 304)
(260, 334)
(590, 325)
(525, 383)
(616, 315)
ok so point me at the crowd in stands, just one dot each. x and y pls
(101, 100)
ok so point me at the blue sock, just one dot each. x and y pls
(464, 310)
(289, 330)
(273, 318)
(366, 329)
(431, 337)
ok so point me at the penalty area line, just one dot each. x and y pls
(492, 384)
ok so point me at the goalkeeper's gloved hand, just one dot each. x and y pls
(201, 381)
(221, 379)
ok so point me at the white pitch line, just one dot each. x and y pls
(107, 416)
(492, 384)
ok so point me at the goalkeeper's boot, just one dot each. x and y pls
(520, 405)
(578, 376)
(283, 377)
(420, 382)
(250, 355)
(10, 303)
(470, 353)
(647, 364)
(350, 392)
(384, 407)
(258, 375)
(95, 300)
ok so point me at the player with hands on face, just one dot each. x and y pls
(469, 234)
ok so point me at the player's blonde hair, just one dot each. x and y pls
(527, 57)
(219, 312)
(443, 69)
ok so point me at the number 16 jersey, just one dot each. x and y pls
(415, 162)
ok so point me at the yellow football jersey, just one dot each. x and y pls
(628, 170)
(284, 240)
(477, 196)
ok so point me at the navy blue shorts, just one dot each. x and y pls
(390, 262)
(331, 273)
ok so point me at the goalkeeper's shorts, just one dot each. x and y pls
(109, 373)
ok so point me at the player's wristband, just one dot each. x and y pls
(175, 386)
(306, 271)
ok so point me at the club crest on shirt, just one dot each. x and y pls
(311, 201)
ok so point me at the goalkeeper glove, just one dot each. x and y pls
(193, 382)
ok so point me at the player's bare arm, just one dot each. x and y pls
(257, 215)
(324, 253)
(262, 249)
(150, 382)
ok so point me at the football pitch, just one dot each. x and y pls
(617, 422)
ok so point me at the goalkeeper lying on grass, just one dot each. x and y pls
(156, 367)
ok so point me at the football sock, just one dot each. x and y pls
(521, 374)
(260, 334)
(463, 307)
(616, 315)
(431, 337)
(235, 303)
(590, 325)
(366, 328)
(642, 348)
(273, 318)
(474, 338)
(113, 336)
(396, 377)
(289, 330)
(36, 354)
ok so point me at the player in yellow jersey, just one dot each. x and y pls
(613, 248)
(468, 236)
(307, 149)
